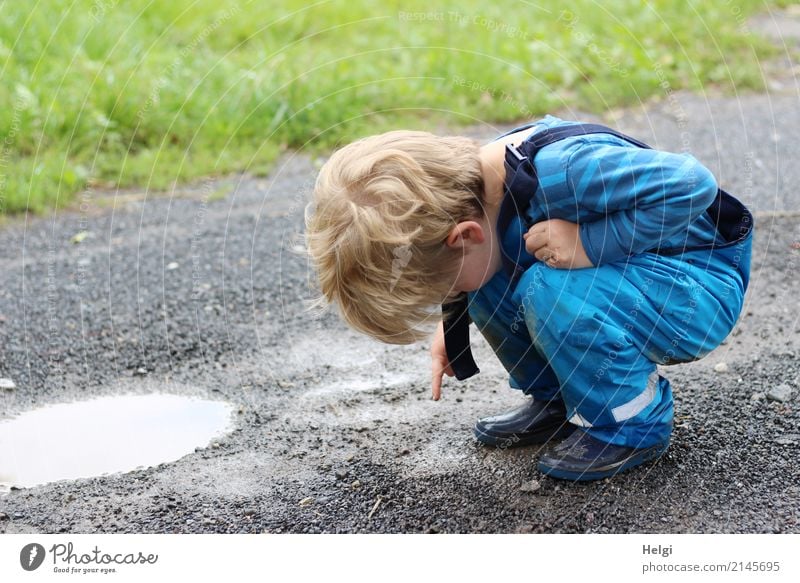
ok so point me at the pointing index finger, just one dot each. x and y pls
(436, 382)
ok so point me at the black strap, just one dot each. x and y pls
(456, 339)
(732, 219)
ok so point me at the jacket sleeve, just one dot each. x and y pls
(643, 197)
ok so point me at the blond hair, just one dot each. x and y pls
(383, 207)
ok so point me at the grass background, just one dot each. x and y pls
(105, 93)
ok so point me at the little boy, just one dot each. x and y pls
(584, 257)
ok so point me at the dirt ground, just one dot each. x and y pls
(336, 433)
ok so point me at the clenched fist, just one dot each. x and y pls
(557, 243)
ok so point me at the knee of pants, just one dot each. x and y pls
(698, 325)
(550, 306)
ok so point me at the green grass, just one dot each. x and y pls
(146, 93)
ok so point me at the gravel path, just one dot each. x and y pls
(199, 295)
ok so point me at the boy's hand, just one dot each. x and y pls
(440, 365)
(557, 243)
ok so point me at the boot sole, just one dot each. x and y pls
(589, 474)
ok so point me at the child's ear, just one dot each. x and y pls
(466, 233)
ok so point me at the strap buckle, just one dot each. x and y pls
(516, 153)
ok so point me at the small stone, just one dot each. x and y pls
(3, 516)
(355, 485)
(757, 396)
(7, 385)
(18, 515)
(173, 265)
(141, 371)
(405, 451)
(340, 474)
(215, 445)
(80, 237)
(781, 393)
(788, 439)
(717, 513)
(252, 511)
(531, 486)
(308, 501)
(721, 367)
(208, 521)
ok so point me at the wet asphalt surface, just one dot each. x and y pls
(199, 295)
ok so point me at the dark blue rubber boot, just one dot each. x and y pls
(581, 457)
(533, 422)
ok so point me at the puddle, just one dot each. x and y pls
(104, 436)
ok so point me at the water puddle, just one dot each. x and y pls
(104, 436)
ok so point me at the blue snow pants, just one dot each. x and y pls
(593, 337)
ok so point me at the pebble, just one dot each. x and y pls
(307, 501)
(3, 516)
(252, 511)
(757, 396)
(7, 385)
(173, 265)
(721, 367)
(788, 439)
(340, 474)
(781, 393)
(79, 237)
(531, 486)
